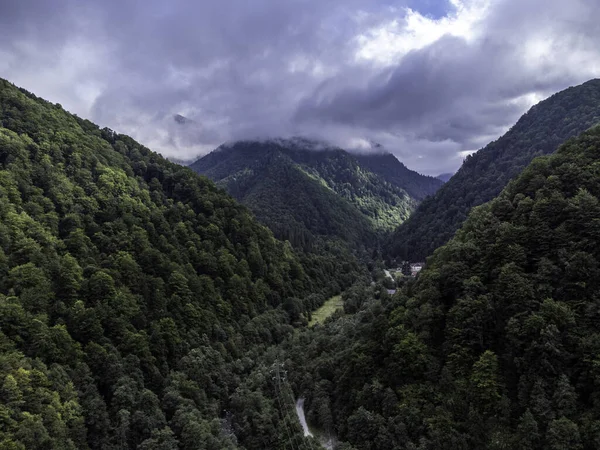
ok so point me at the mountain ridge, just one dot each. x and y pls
(485, 173)
(136, 297)
(494, 345)
(363, 197)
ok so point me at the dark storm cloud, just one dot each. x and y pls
(31, 17)
(265, 68)
(460, 91)
(227, 65)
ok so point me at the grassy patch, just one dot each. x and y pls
(328, 308)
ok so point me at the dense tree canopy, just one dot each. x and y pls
(141, 307)
(135, 296)
(494, 346)
(484, 174)
(303, 193)
(393, 171)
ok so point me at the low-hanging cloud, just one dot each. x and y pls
(428, 89)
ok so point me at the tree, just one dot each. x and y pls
(564, 398)
(406, 269)
(484, 379)
(563, 434)
(527, 436)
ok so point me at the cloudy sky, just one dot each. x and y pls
(431, 80)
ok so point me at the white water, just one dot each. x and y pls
(327, 443)
(301, 417)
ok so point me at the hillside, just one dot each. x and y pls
(135, 296)
(484, 174)
(496, 343)
(393, 171)
(303, 190)
(445, 177)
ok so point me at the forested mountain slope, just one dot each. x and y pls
(303, 190)
(495, 345)
(135, 295)
(484, 174)
(393, 171)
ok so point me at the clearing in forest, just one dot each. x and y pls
(328, 308)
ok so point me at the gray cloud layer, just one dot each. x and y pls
(267, 68)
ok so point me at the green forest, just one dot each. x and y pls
(307, 195)
(495, 345)
(484, 174)
(135, 296)
(332, 206)
(143, 306)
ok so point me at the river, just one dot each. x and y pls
(327, 443)
(301, 417)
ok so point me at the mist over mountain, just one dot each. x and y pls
(122, 275)
(182, 120)
(485, 173)
(339, 267)
(494, 345)
(303, 188)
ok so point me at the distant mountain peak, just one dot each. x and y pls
(310, 185)
(182, 120)
(291, 143)
(444, 177)
(378, 160)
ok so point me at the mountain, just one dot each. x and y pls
(142, 307)
(484, 174)
(136, 298)
(304, 190)
(393, 171)
(181, 120)
(445, 177)
(495, 345)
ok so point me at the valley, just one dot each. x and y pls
(300, 225)
(146, 305)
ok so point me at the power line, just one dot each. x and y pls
(277, 379)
